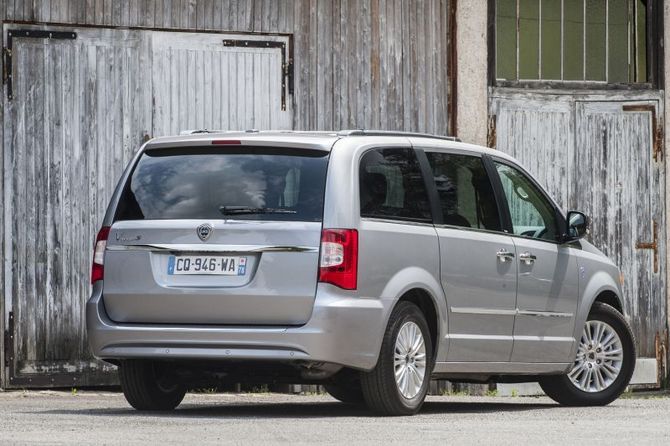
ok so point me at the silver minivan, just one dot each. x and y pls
(368, 262)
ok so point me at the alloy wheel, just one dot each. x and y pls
(409, 360)
(599, 358)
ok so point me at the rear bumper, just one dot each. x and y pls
(342, 330)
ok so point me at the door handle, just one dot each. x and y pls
(504, 255)
(527, 258)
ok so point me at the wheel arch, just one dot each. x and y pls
(610, 298)
(426, 303)
(600, 288)
(419, 286)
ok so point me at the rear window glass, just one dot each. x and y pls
(249, 184)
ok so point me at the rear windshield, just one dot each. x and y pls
(221, 183)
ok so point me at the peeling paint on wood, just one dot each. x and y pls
(595, 153)
(83, 107)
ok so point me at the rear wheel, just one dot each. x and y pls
(604, 364)
(345, 386)
(348, 395)
(399, 382)
(147, 385)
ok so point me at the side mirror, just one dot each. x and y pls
(578, 225)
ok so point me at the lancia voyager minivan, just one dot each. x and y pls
(368, 262)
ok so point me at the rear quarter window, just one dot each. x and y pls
(391, 186)
(206, 183)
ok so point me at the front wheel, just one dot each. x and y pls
(604, 364)
(399, 382)
(147, 385)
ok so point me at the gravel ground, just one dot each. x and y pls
(89, 417)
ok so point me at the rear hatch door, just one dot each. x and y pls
(217, 235)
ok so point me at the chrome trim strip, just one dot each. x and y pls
(479, 337)
(545, 338)
(194, 247)
(543, 313)
(397, 222)
(492, 311)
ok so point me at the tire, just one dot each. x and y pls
(564, 390)
(381, 392)
(145, 386)
(347, 395)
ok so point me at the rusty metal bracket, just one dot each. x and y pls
(286, 61)
(657, 127)
(7, 51)
(653, 245)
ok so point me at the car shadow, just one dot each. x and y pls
(301, 410)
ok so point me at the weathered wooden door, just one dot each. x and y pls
(220, 82)
(599, 154)
(618, 180)
(81, 102)
(74, 116)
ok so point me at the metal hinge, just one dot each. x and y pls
(653, 245)
(26, 33)
(286, 61)
(9, 340)
(656, 127)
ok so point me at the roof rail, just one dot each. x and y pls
(362, 132)
(195, 132)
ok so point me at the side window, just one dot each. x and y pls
(466, 194)
(391, 186)
(531, 213)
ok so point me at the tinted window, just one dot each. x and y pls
(391, 186)
(532, 214)
(199, 183)
(466, 194)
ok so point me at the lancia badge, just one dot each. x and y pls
(204, 231)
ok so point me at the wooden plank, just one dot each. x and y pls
(399, 75)
(259, 9)
(339, 61)
(301, 65)
(387, 66)
(226, 19)
(363, 99)
(243, 10)
(191, 15)
(375, 44)
(3, 205)
(324, 66)
(176, 15)
(351, 104)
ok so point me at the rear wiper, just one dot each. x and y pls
(239, 210)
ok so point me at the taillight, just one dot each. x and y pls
(339, 258)
(98, 269)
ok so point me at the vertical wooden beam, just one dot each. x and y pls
(664, 65)
(452, 69)
(3, 369)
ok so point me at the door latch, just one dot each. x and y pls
(527, 258)
(504, 255)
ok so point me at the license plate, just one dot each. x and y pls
(217, 265)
